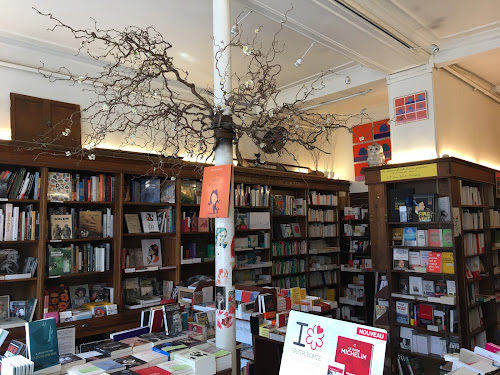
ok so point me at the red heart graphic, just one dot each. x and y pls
(319, 330)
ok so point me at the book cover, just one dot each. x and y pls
(447, 236)
(30, 309)
(151, 252)
(335, 369)
(17, 309)
(167, 193)
(150, 190)
(400, 259)
(421, 237)
(41, 341)
(188, 192)
(425, 314)
(110, 366)
(428, 288)
(149, 222)
(355, 355)
(416, 287)
(215, 191)
(435, 238)
(414, 259)
(59, 186)
(90, 224)
(97, 292)
(398, 198)
(444, 209)
(402, 312)
(58, 298)
(174, 319)
(410, 236)
(286, 230)
(450, 288)
(434, 264)
(448, 263)
(440, 288)
(241, 221)
(60, 260)
(61, 227)
(130, 361)
(296, 230)
(153, 370)
(424, 257)
(397, 236)
(133, 223)
(9, 261)
(111, 347)
(403, 286)
(423, 207)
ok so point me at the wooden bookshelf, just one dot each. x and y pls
(451, 178)
(123, 167)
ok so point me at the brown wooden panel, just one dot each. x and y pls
(26, 117)
(377, 203)
(63, 116)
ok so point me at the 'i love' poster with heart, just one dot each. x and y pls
(318, 345)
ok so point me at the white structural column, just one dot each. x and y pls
(225, 330)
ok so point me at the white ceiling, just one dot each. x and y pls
(343, 39)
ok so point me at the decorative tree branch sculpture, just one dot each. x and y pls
(137, 94)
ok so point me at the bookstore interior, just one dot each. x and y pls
(321, 194)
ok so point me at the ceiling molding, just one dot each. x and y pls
(454, 51)
(341, 15)
(333, 83)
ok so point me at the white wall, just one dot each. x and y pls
(414, 140)
(467, 121)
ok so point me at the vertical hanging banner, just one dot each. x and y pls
(215, 191)
(318, 345)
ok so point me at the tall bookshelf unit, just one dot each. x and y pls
(456, 179)
(127, 167)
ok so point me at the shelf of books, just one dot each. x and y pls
(289, 243)
(323, 244)
(357, 278)
(440, 260)
(78, 233)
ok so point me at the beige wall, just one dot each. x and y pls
(467, 121)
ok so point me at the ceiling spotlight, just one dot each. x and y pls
(298, 62)
(235, 29)
(434, 48)
(347, 80)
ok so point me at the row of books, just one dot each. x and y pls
(474, 295)
(360, 265)
(429, 316)
(349, 313)
(280, 248)
(287, 230)
(12, 267)
(409, 365)
(411, 236)
(253, 220)
(474, 243)
(356, 230)
(420, 287)
(324, 293)
(472, 219)
(323, 278)
(423, 261)
(190, 222)
(322, 230)
(251, 241)
(476, 318)
(355, 213)
(249, 258)
(322, 215)
(19, 223)
(251, 195)
(20, 184)
(16, 311)
(405, 206)
(353, 292)
(162, 221)
(145, 291)
(151, 190)
(415, 341)
(471, 196)
(287, 205)
(288, 282)
(494, 217)
(358, 246)
(474, 268)
(78, 258)
(283, 267)
(69, 222)
(322, 199)
(322, 263)
(65, 186)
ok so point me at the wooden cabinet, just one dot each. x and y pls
(42, 120)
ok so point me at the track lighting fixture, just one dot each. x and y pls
(235, 29)
(298, 62)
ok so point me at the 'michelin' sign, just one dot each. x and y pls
(328, 346)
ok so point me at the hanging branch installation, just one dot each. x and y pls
(140, 95)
